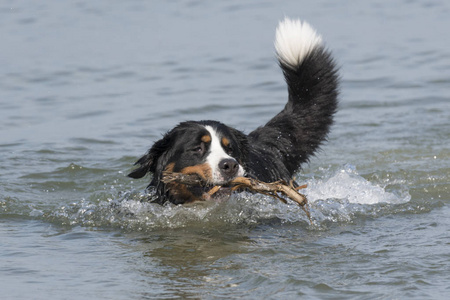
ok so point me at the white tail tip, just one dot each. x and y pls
(294, 40)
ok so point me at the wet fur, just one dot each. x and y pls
(271, 152)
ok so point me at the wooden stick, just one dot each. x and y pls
(271, 189)
(214, 190)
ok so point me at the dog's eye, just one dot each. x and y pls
(198, 150)
(229, 150)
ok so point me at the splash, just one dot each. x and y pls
(347, 184)
(339, 196)
(344, 196)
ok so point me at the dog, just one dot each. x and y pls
(218, 153)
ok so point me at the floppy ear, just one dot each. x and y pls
(149, 162)
(145, 162)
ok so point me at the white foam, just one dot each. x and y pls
(334, 196)
(346, 184)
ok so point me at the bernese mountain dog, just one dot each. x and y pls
(219, 153)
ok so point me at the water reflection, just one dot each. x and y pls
(188, 259)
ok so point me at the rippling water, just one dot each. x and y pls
(86, 87)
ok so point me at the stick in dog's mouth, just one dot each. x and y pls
(272, 189)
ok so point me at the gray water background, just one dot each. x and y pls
(87, 86)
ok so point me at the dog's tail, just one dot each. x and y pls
(312, 80)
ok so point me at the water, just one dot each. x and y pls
(86, 87)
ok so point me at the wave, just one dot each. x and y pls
(340, 195)
(336, 196)
(347, 184)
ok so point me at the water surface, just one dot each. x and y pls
(87, 87)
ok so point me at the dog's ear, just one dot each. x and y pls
(145, 162)
(149, 162)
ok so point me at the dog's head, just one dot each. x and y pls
(209, 149)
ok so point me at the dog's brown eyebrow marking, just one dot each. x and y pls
(225, 142)
(206, 138)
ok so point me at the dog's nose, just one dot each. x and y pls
(228, 167)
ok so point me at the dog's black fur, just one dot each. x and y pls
(272, 152)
